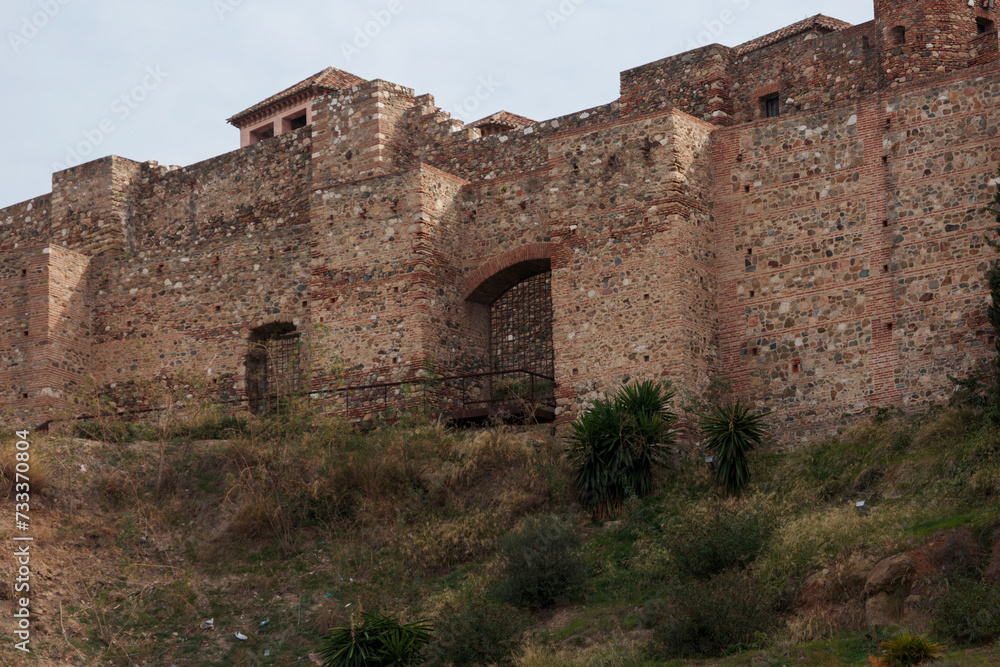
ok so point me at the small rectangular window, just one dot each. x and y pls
(295, 122)
(898, 35)
(772, 105)
(984, 25)
(262, 134)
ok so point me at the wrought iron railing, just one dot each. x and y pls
(519, 393)
(516, 392)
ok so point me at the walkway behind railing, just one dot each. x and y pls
(458, 397)
(521, 394)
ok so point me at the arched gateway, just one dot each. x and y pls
(520, 353)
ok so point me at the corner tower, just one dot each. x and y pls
(920, 38)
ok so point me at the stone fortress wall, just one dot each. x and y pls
(823, 260)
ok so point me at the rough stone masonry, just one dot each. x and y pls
(801, 215)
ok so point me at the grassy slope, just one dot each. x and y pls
(301, 522)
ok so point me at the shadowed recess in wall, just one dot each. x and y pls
(801, 217)
(274, 368)
(521, 334)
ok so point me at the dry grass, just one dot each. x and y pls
(943, 429)
(39, 473)
(985, 481)
(985, 454)
(460, 491)
(501, 471)
(814, 538)
(488, 482)
(849, 572)
(617, 650)
(275, 489)
(117, 487)
(384, 520)
(441, 545)
(814, 625)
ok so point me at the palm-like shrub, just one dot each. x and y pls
(615, 445)
(731, 432)
(906, 649)
(379, 640)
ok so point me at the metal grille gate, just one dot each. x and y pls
(521, 339)
(274, 370)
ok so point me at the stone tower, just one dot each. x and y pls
(921, 38)
(800, 217)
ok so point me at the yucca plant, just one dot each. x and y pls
(616, 444)
(731, 432)
(379, 640)
(906, 649)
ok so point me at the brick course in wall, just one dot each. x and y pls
(823, 261)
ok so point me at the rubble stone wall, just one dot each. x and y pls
(851, 252)
(823, 261)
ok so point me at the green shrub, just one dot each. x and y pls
(480, 632)
(516, 388)
(379, 640)
(215, 427)
(615, 445)
(542, 564)
(707, 545)
(969, 613)
(728, 614)
(732, 433)
(117, 432)
(653, 612)
(906, 649)
(982, 388)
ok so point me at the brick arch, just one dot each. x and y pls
(243, 344)
(275, 318)
(487, 282)
(273, 365)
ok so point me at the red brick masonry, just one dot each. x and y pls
(824, 261)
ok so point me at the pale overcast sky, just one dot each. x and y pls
(156, 79)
